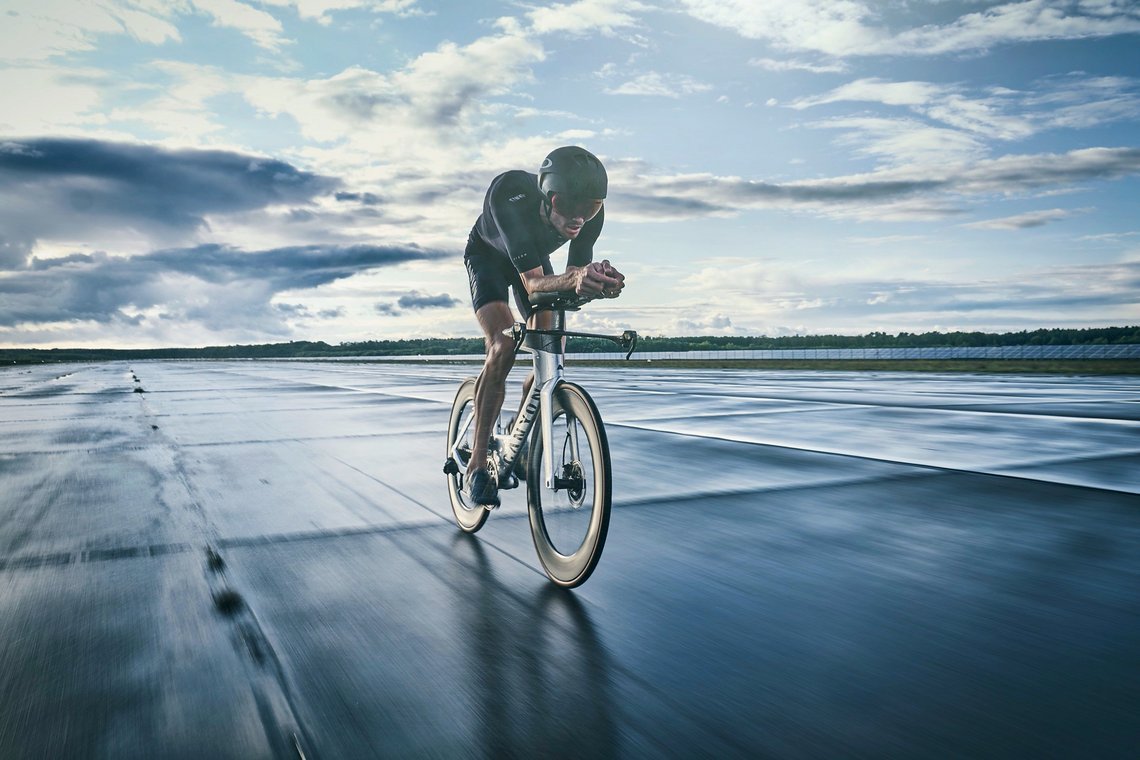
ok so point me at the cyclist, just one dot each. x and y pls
(525, 218)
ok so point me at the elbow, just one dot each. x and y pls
(530, 280)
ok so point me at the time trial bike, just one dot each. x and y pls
(557, 443)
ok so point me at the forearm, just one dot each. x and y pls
(590, 281)
(548, 283)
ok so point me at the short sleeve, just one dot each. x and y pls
(513, 205)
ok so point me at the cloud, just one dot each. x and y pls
(1111, 237)
(1078, 101)
(34, 30)
(1026, 21)
(71, 189)
(700, 195)
(428, 136)
(842, 28)
(260, 27)
(417, 301)
(365, 199)
(877, 90)
(390, 114)
(1023, 221)
(408, 128)
(904, 141)
(834, 28)
(441, 84)
(175, 100)
(215, 286)
(180, 102)
(890, 193)
(713, 324)
(782, 292)
(772, 64)
(660, 85)
(1030, 172)
(39, 99)
(1073, 101)
(443, 108)
(584, 16)
(321, 10)
(14, 253)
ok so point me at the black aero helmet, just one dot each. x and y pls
(573, 171)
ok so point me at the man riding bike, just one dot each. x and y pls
(525, 218)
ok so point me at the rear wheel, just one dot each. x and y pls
(460, 429)
(569, 524)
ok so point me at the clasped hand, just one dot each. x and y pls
(599, 279)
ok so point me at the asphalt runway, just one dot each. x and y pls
(258, 559)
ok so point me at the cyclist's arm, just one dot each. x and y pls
(589, 280)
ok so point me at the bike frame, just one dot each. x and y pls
(548, 363)
(549, 370)
(548, 357)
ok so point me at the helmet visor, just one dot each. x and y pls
(571, 208)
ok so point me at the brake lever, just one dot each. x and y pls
(629, 338)
(518, 334)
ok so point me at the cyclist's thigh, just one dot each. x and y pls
(488, 274)
(495, 317)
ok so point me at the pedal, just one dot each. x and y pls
(508, 482)
(450, 467)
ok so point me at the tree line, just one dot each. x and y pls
(302, 349)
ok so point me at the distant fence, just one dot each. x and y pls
(1125, 351)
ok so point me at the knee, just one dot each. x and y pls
(500, 354)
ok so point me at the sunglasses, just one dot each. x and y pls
(571, 208)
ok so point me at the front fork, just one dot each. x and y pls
(505, 449)
(548, 371)
(548, 376)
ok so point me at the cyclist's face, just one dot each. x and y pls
(570, 214)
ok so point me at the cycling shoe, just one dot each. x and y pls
(483, 488)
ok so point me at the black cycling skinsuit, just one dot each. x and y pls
(510, 237)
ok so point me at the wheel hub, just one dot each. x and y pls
(572, 482)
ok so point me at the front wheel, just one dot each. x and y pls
(569, 524)
(460, 431)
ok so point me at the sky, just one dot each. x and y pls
(212, 172)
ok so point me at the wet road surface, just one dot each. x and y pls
(247, 559)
